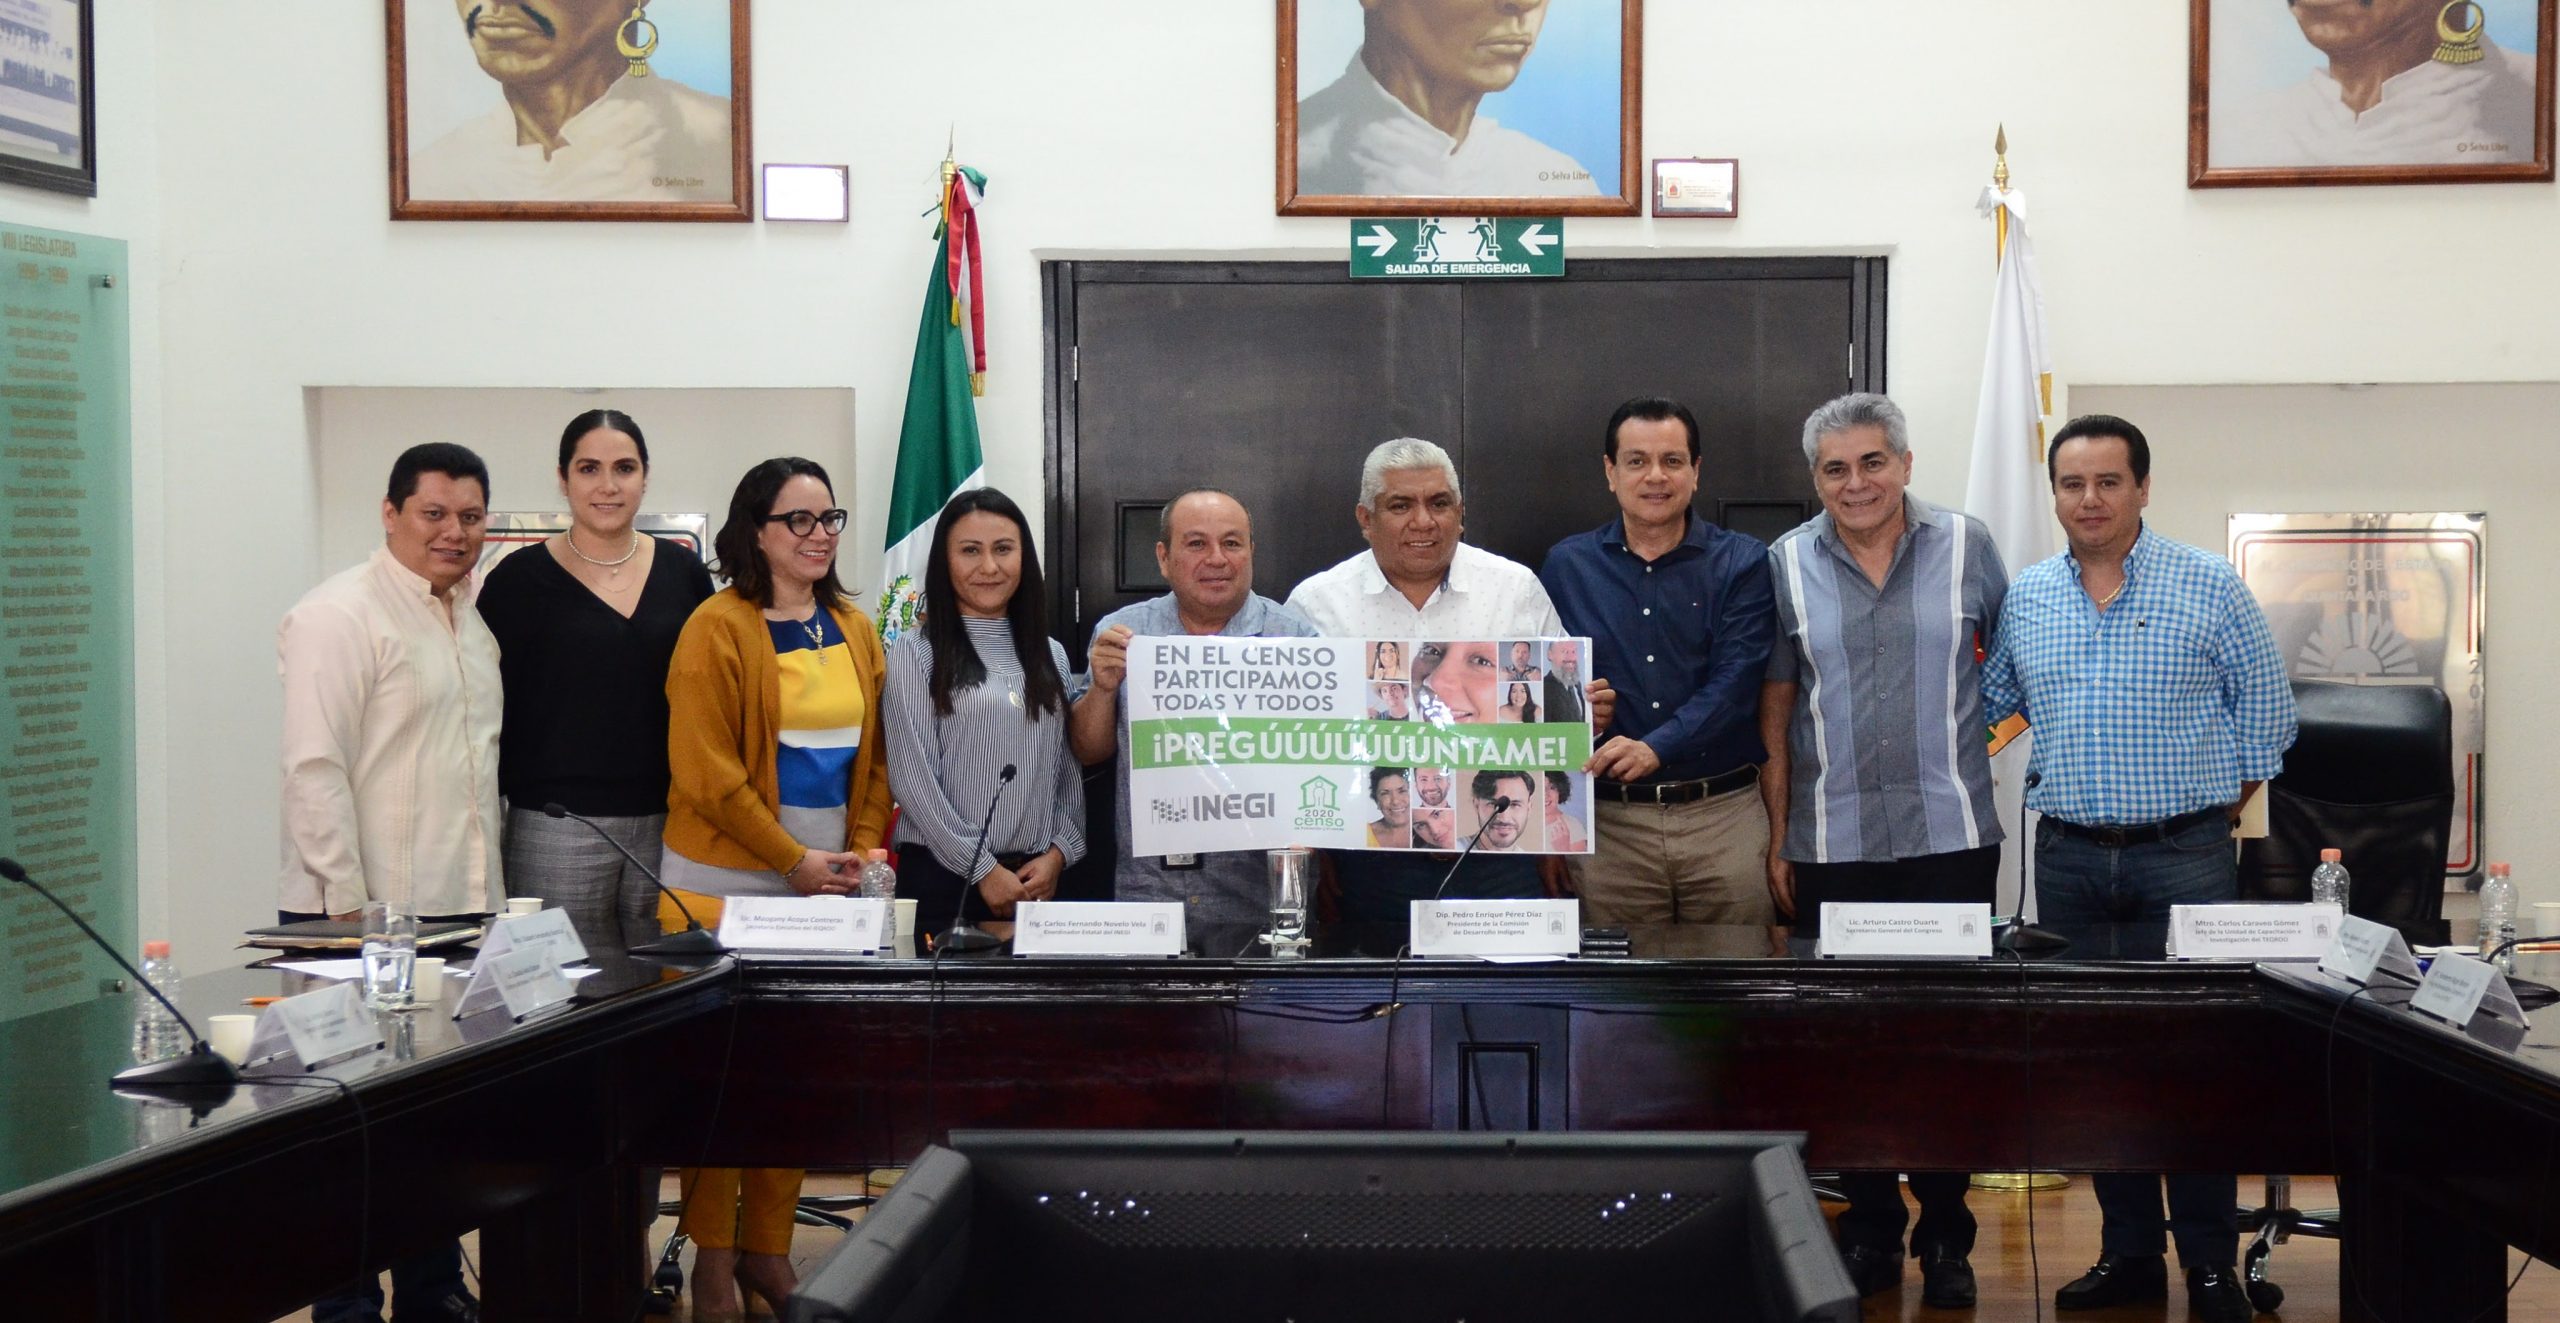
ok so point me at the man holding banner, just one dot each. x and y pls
(1204, 548)
(1418, 581)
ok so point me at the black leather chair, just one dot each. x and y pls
(2371, 774)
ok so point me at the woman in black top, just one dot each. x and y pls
(586, 623)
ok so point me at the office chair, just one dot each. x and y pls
(2370, 774)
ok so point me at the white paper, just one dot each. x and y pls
(325, 1024)
(805, 192)
(349, 968)
(803, 923)
(1098, 928)
(548, 929)
(1547, 928)
(1905, 929)
(2252, 931)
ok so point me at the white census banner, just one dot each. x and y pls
(1358, 744)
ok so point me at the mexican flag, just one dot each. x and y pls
(938, 451)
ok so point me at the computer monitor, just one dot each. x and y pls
(1133, 1226)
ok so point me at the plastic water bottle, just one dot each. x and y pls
(2329, 881)
(877, 880)
(155, 1032)
(2498, 915)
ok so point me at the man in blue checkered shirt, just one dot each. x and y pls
(2159, 705)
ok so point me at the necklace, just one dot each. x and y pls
(2110, 599)
(614, 565)
(817, 636)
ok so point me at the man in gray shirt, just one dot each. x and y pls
(1878, 784)
(1204, 547)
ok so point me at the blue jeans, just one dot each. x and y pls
(2079, 881)
(416, 1282)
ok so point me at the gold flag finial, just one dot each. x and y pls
(950, 155)
(2000, 159)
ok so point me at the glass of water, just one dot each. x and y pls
(390, 956)
(1293, 870)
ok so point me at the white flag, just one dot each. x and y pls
(2006, 489)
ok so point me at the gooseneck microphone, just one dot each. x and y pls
(964, 935)
(2017, 936)
(1501, 804)
(197, 1074)
(695, 940)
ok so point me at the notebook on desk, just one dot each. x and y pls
(348, 935)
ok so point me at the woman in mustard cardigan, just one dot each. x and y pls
(777, 789)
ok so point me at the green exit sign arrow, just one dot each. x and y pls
(1445, 247)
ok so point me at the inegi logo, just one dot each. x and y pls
(1217, 808)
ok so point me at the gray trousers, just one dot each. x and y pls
(610, 903)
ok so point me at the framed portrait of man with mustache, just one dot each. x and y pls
(569, 110)
(1459, 107)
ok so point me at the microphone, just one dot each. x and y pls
(963, 935)
(695, 940)
(1501, 804)
(2017, 936)
(197, 1075)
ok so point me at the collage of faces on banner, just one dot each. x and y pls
(1527, 808)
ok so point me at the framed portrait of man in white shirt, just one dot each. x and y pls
(1460, 107)
(569, 110)
(2296, 92)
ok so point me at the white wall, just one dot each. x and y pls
(700, 441)
(1143, 127)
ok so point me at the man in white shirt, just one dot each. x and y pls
(1418, 582)
(1402, 121)
(391, 706)
(2402, 87)
(576, 125)
(391, 703)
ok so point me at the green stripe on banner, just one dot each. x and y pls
(1157, 742)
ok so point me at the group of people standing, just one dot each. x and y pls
(1778, 726)
(745, 740)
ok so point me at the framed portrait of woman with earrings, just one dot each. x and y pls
(569, 110)
(2294, 92)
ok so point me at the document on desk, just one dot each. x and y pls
(2252, 931)
(1905, 928)
(1497, 929)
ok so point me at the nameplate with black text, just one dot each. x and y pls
(1938, 931)
(548, 929)
(2252, 931)
(317, 1027)
(1497, 929)
(2471, 995)
(2364, 949)
(1097, 928)
(524, 981)
(841, 924)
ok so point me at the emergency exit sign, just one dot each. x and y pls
(1446, 247)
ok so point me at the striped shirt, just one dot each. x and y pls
(2160, 705)
(944, 770)
(1886, 744)
(814, 747)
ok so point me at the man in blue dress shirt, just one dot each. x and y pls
(1679, 614)
(1204, 548)
(2160, 705)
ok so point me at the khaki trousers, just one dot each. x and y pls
(1705, 861)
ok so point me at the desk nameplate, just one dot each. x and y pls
(1937, 931)
(1098, 928)
(2365, 948)
(1497, 929)
(315, 1028)
(840, 924)
(549, 929)
(2471, 995)
(524, 981)
(2251, 931)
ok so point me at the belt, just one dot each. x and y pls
(2142, 833)
(1678, 792)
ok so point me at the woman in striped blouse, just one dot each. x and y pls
(773, 742)
(977, 691)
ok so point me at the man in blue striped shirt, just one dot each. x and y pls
(2160, 705)
(1878, 784)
